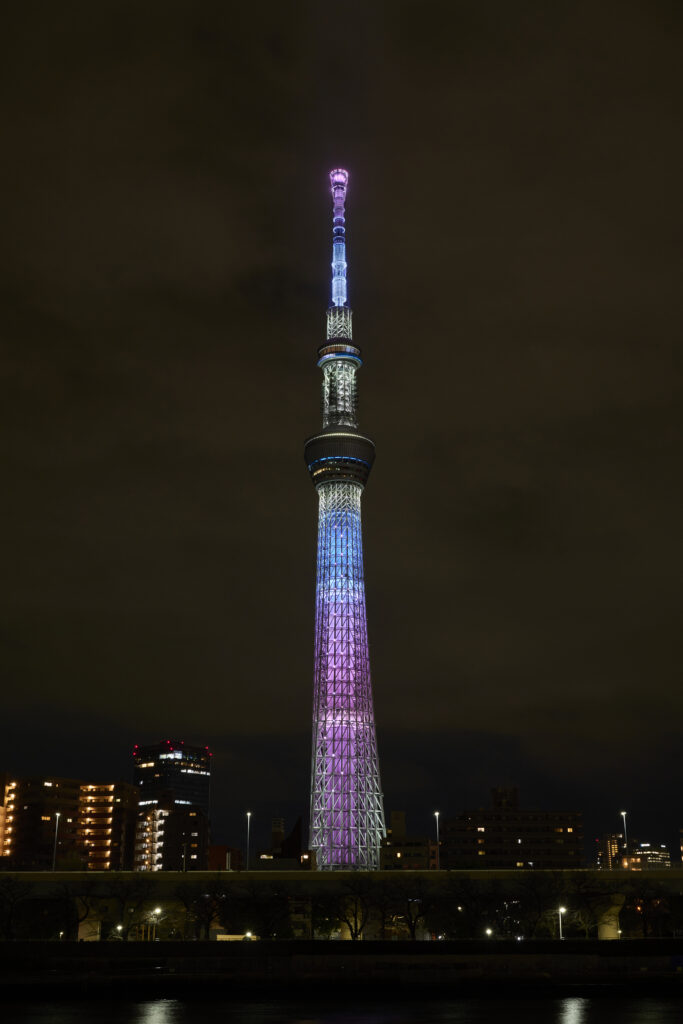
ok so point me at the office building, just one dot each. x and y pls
(648, 857)
(172, 833)
(176, 770)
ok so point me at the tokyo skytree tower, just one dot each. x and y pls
(347, 813)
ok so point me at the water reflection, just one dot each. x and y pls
(572, 1011)
(549, 1009)
(159, 1011)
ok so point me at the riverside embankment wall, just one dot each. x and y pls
(250, 967)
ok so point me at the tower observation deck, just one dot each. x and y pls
(347, 813)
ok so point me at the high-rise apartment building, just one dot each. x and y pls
(507, 836)
(41, 823)
(171, 838)
(107, 816)
(67, 823)
(611, 853)
(347, 813)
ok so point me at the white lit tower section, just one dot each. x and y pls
(347, 812)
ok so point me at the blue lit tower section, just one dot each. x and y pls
(347, 813)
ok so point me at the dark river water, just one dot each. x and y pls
(545, 1010)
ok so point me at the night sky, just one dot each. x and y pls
(514, 242)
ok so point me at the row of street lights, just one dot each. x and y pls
(436, 818)
(438, 859)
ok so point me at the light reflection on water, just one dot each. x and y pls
(571, 1011)
(542, 1010)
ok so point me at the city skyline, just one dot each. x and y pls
(516, 258)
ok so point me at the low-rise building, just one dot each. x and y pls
(647, 857)
(401, 852)
(507, 836)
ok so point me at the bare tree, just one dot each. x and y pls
(353, 905)
(13, 892)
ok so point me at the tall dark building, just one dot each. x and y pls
(508, 836)
(173, 769)
(173, 819)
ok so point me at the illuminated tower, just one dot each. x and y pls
(347, 814)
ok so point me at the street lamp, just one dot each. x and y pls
(248, 835)
(489, 932)
(560, 912)
(54, 850)
(623, 814)
(438, 859)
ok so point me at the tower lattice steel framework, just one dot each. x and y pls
(347, 813)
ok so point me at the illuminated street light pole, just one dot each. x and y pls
(54, 850)
(560, 912)
(248, 835)
(438, 859)
(623, 814)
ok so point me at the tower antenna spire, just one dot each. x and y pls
(339, 180)
(347, 810)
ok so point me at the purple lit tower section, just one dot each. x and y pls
(347, 813)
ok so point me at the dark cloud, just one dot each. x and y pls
(514, 244)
